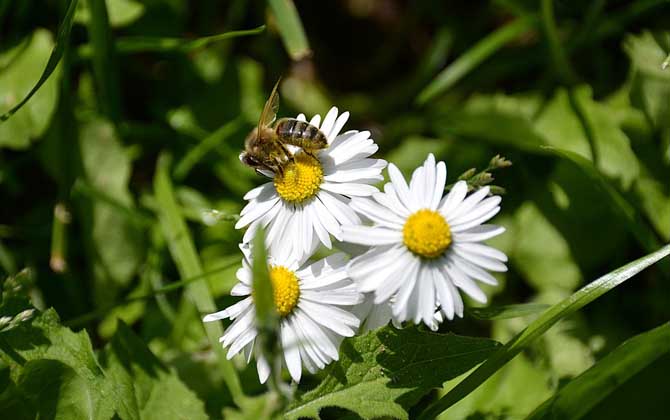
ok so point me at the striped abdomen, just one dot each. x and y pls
(301, 134)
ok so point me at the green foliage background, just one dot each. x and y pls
(120, 180)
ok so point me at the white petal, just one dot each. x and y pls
(343, 296)
(338, 320)
(318, 335)
(390, 200)
(478, 233)
(325, 217)
(400, 187)
(350, 189)
(468, 204)
(454, 198)
(341, 211)
(440, 180)
(316, 120)
(475, 213)
(240, 289)
(482, 249)
(474, 271)
(407, 289)
(261, 191)
(371, 236)
(291, 352)
(465, 283)
(480, 260)
(426, 294)
(262, 367)
(364, 265)
(302, 117)
(390, 277)
(467, 225)
(329, 121)
(256, 210)
(337, 127)
(444, 294)
(377, 213)
(319, 229)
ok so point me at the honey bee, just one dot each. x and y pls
(265, 147)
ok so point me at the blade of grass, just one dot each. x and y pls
(579, 396)
(538, 327)
(469, 60)
(104, 61)
(195, 154)
(290, 28)
(61, 43)
(58, 261)
(558, 54)
(507, 311)
(140, 44)
(188, 264)
(158, 291)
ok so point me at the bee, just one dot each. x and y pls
(265, 147)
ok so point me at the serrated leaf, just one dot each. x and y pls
(383, 372)
(561, 127)
(152, 390)
(575, 399)
(46, 339)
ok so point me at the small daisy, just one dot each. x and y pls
(424, 247)
(309, 300)
(310, 201)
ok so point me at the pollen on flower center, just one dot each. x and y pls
(286, 289)
(301, 179)
(426, 233)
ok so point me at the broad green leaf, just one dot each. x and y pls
(384, 372)
(153, 391)
(20, 80)
(55, 390)
(542, 254)
(121, 12)
(576, 399)
(655, 203)
(497, 119)
(44, 339)
(473, 57)
(561, 127)
(116, 240)
(539, 326)
(625, 210)
(290, 28)
(188, 263)
(648, 51)
(29, 68)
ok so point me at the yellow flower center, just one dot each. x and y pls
(426, 233)
(301, 179)
(286, 289)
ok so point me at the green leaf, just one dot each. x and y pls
(507, 311)
(152, 390)
(625, 210)
(562, 126)
(541, 252)
(116, 241)
(497, 119)
(539, 326)
(45, 339)
(20, 68)
(290, 28)
(580, 395)
(121, 12)
(384, 372)
(473, 58)
(266, 315)
(188, 263)
(61, 42)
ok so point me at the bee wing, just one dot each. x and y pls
(269, 113)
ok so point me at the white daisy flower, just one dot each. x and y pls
(423, 247)
(310, 201)
(309, 300)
